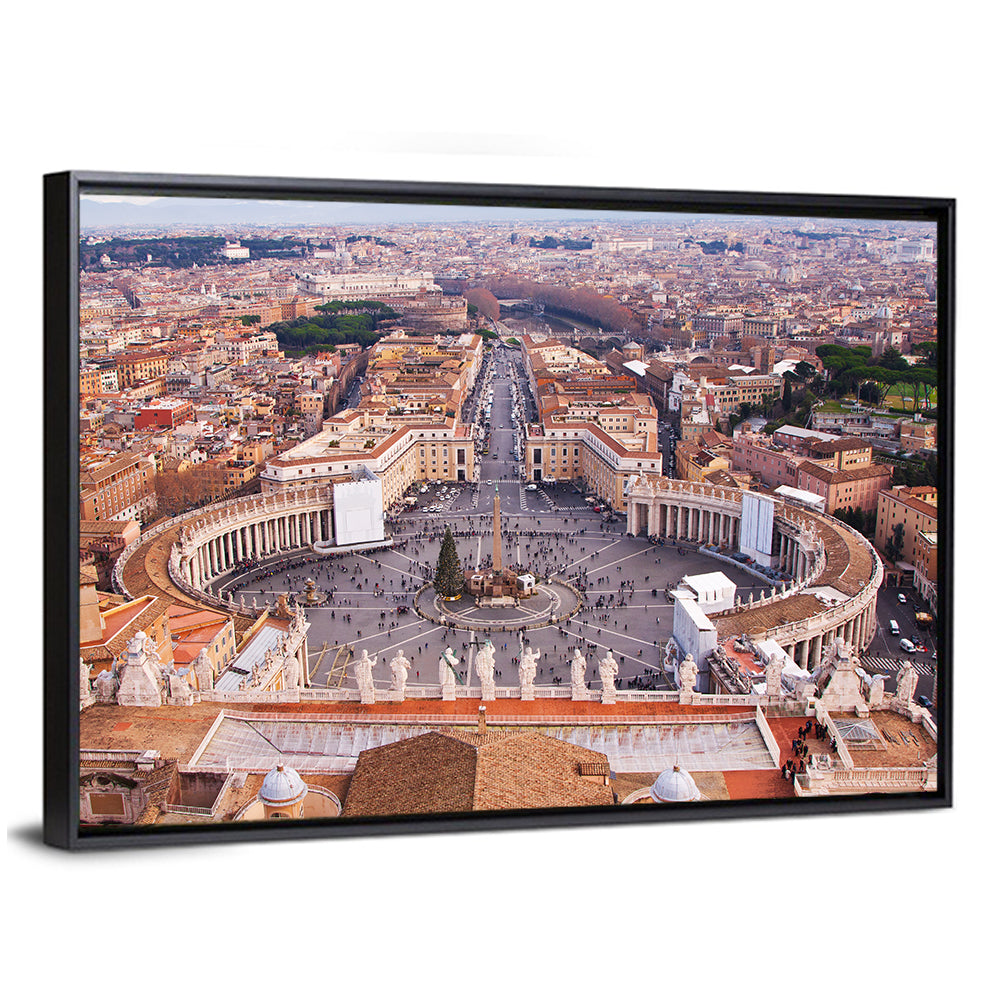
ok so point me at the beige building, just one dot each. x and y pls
(917, 435)
(925, 567)
(915, 508)
(121, 489)
(364, 439)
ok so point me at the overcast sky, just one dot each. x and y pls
(101, 211)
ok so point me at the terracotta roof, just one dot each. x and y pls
(826, 475)
(458, 772)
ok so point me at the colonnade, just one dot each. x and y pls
(707, 526)
(702, 514)
(858, 630)
(684, 521)
(235, 539)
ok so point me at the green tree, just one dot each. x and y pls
(894, 546)
(786, 395)
(449, 581)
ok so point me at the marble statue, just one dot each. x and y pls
(400, 667)
(608, 670)
(179, 689)
(485, 667)
(363, 678)
(446, 666)
(291, 670)
(578, 669)
(772, 675)
(906, 683)
(526, 672)
(86, 695)
(876, 691)
(202, 667)
(446, 674)
(688, 673)
(106, 687)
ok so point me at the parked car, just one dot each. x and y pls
(531, 486)
(924, 700)
(906, 646)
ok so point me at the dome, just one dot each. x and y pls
(756, 265)
(675, 786)
(282, 787)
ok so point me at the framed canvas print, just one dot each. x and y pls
(387, 507)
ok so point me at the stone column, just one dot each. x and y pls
(817, 652)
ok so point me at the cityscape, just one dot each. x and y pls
(409, 510)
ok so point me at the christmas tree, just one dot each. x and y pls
(449, 581)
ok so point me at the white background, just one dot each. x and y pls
(861, 98)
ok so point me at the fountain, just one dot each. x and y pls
(310, 597)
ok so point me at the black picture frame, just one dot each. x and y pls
(62, 192)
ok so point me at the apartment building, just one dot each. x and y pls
(915, 508)
(845, 488)
(119, 489)
(925, 567)
(167, 413)
(355, 440)
(135, 367)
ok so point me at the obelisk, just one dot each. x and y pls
(497, 561)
